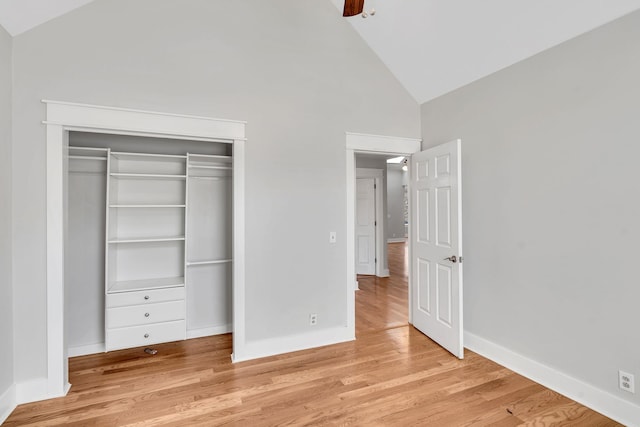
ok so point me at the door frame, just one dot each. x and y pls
(63, 117)
(378, 177)
(367, 143)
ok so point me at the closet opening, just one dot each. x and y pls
(68, 120)
(149, 242)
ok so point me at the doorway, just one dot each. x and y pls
(366, 144)
(382, 297)
(435, 282)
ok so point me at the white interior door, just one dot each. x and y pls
(365, 226)
(436, 239)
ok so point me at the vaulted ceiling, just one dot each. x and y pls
(18, 16)
(431, 46)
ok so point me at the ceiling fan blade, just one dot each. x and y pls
(353, 7)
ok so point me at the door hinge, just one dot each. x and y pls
(375, 260)
(375, 223)
(375, 186)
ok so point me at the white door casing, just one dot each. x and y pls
(436, 242)
(63, 117)
(365, 226)
(366, 143)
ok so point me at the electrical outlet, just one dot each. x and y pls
(626, 382)
(313, 319)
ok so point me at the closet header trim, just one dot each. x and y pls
(74, 116)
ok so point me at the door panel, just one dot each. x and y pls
(444, 294)
(424, 289)
(423, 223)
(436, 237)
(365, 226)
(443, 216)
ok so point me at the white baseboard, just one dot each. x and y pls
(36, 390)
(384, 273)
(32, 390)
(206, 332)
(281, 345)
(597, 399)
(397, 240)
(7, 403)
(83, 350)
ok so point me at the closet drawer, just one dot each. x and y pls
(137, 336)
(145, 297)
(121, 317)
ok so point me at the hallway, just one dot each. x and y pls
(382, 302)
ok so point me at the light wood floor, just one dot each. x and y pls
(382, 303)
(390, 376)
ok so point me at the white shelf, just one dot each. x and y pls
(159, 239)
(145, 284)
(147, 206)
(146, 176)
(218, 261)
(122, 154)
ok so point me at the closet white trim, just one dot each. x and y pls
(62, 117)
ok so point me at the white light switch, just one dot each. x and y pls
(332, 237)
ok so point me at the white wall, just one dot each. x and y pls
(6, 294)
(296, 71)
(551, 199)
(396, 178)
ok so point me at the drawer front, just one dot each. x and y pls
(121, 317)
(145, 297)
(137, 336)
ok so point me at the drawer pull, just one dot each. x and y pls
(146, 315)
(146, 297)
(146, 335)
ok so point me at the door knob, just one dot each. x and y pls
(452, 258)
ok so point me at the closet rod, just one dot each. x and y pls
(86, 173)
(222, 261)
(215, 178)
(73, 147)
(210, 156)
(104, 159)
(209, 167)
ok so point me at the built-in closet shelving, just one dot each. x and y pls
(146, 221)
(146, 202)
(164, 261)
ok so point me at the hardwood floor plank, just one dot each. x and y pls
(392, 375)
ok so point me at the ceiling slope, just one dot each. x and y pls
(431, 46)
(436, 46)
(18, 16)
